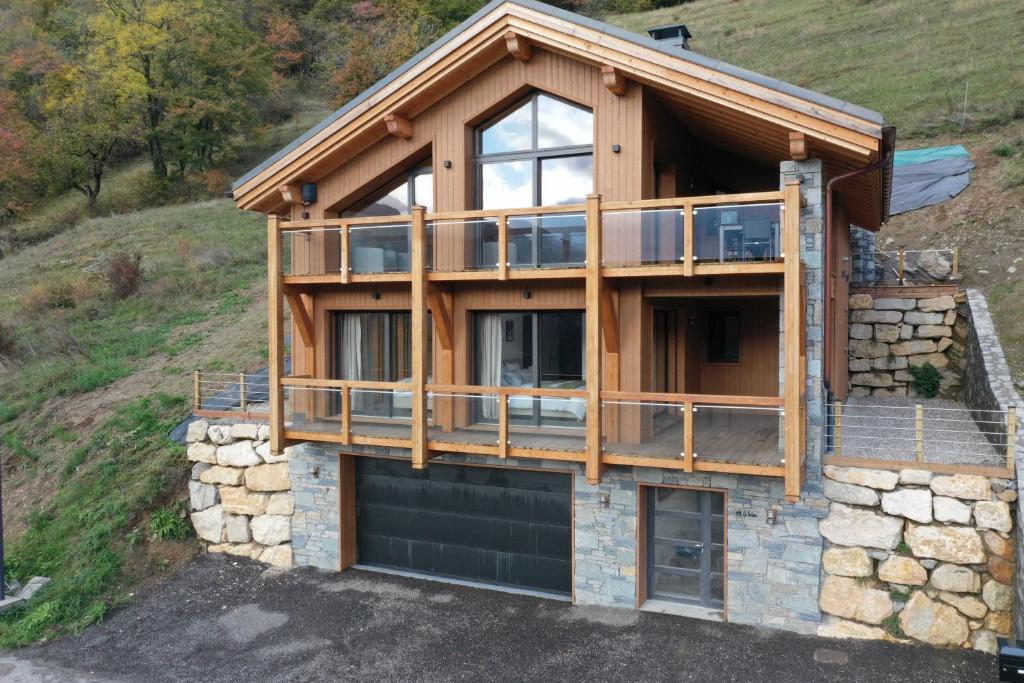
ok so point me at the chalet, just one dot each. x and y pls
(563, 304)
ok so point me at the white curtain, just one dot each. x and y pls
(351, 346)
(490, 331)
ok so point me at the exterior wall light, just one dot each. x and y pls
(308, 194)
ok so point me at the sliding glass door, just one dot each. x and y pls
(532, 349)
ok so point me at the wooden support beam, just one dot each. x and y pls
(593, 339)
(688, 437)
(275, 324)
(291, 194)
(442, 319)
(613, 80)
(302, 318)
(518, 46)
(609, 321)
(792, 335)
(418, 301)
(689, 250)
(399, 126)
(797, 146)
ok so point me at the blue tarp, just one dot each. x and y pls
(932, 175)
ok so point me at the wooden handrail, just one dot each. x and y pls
(682, 202)
(704, 399)
(343, 383)
(541, 392)
(527, 211)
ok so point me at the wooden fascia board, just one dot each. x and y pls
(643, 64)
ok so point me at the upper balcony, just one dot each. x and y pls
(690, 236)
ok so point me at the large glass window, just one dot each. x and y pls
(527, 349)
(538, 154)
(399, 196)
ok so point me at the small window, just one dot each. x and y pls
(723, 337)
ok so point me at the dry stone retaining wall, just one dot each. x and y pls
(240, 495)
(888, 335)
(912, 555)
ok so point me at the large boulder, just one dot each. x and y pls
(268, 477)
(933, 622)
(271, 529)
(209, 524)
(202, 496)
(905, 571)
(847, 562)
(934, 265)
(992, 514)
(849, 599)
(964, 486)
(238, 454)
(951, 510)
(239, 500)
(196, 431)
(915, 504)
(849, 493)
(876, 479)
(958, 545)
(955, 579)
(856, 527)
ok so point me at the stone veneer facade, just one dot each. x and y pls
(913, 555)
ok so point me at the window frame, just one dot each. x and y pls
(407, 177)
(735, 312)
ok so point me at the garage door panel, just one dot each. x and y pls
(449, 528)
(493, 525)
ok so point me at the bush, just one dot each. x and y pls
(48, 296)
(926, 380)
(168, 523)
(124, 274)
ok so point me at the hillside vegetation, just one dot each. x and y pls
(96, 353)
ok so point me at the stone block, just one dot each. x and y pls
(919, 318)
(239, 454)
(955, 579)
(872, 379)
(998, 545)
(196, 431)
(245, 430)
(895, 304)
(281, 504)
(224, 476)
(268, 477)
(889, 391)
(949, 318)
(889, 363)
(271, 529)
(905, 571)
(939, 360)
(239, 500)
(263, 433)
(198, 469)
(964, 486)
(209, 524)
(1000, 622)
(834, 627)
(859, 365)
(858, 527)
(887, 333)
(906, 331)
(951, 510)
(959, 545)
(970, 605)
(202, 496)
(889, 317)
(998, 596)
(933, 331)
(202, 452)
(933, 622)
(939, 303)
(237, 528)
(993, 514)
(915, 504)
(219, 434)
(942, 345)
(1001, 570)
(915, 477)
(985, 641)
(862, 348)
(860, 302)
(850, 599)
(876, 479)
(861, 331)
(278, 556)
(913, 347)
(852, 562)
(849, 493)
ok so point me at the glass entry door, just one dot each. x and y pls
(686, 546)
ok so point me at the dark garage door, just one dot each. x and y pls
(494, 525)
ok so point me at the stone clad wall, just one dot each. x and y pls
(915, 556)
(239, 494)
(888, 335)
(862, 255)
(315, 524)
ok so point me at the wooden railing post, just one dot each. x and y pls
(198, 391)
(688, 421)
(689, 249)
(837, 412)
(1011, 439)
(593, 338)
(919, 432)
(792, 336)
(241, 392)
(502, 246)
(275, 324)
(418, 304)
(901, 258)
(346, 259)
(346, 415)
(956, 264)
(502, 425)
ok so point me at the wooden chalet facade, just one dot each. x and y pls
(546, 248)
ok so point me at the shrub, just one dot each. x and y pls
(124, 274)
(48, 295)
(168, 523)
(926, 380)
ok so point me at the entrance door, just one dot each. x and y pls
(686, 546)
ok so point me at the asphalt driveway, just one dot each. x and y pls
(230, 620)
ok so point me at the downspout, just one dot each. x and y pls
(884, 164)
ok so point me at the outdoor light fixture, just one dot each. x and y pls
(447, 163)
(527, 294)
(375, 296)
(308, 194)
(616, 149)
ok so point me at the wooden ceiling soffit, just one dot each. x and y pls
(518, 46)
(613, 80)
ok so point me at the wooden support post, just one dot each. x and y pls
(346, 267)
(346, 415)
(837, 431)
(275, 324)
(688, 247)
(502, 426)
(793, 391)
(956, 264)
(418, 304)
(593, 338)
(198, 391)
(241, 391)
(502, 247)
(901, 257)
(688, 453)
(919, 432)
(1011, 439)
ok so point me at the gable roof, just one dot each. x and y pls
(836, 112)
